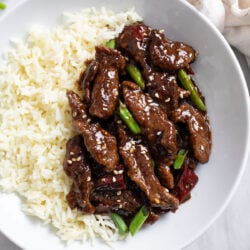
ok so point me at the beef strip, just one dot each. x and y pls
(76, 166)
(104, 96)
(135, 41)
(153, 121)
(169, 55)
(100, 143)
(138, 161)
(86, 78)
(200, 137)
(165, 175)
(109, 201)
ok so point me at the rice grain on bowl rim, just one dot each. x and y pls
(36, 121)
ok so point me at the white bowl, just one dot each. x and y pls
(222, 82)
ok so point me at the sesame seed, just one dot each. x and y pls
(78, 158)
(157, 201)
(114, 179)
(159, 132)
(71, 153)
(89, 178)
(69, 161)
(156, 95)
(118, 200)
(74, 114)
(132, 150)
(167, 100)
(84, 116)
(119, 192)
(120, 172)
(151, 78)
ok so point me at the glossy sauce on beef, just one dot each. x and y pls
(114, 170)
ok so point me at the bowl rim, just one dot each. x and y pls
(246, 153)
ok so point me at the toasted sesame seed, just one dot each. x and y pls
(114, 179)
(157, 201)
(119, 192)
(78, 158)
(69, 161)
(115, 172)
(159, 132)
(84, 116)
(89, 178)
(74, 114)
(120, 172)
(151, 78)
(156, 95)
(118, 200)
(167, 100)
(71, 153)
(132, 150)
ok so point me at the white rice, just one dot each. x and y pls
(35, 121)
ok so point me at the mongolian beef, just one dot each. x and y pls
(142, 128)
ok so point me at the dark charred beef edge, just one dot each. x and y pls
(185, 182)
(165, 175)
(104, 96)
(86, 78)
(76, 166)
(200, 136)
(169, 55)
(135, 41)
(100, 143)
(122, 201)
(138, 162)
(153, 121)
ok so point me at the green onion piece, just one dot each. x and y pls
(136, 75)
(153, 164)
(128, 119)
(119, 223)
(180, 158)
(187, 83)
(3, 6)
(138, 220)
(111, 43)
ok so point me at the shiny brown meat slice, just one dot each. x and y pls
(109, 201)
(200, 137)
(138, 161)
(76, 166)
(165, 175)
(86, 78)
(99, 142)
(153, 121)
(104, 96)
(135, 40)
(169, 55)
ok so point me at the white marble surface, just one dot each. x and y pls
(231, 231)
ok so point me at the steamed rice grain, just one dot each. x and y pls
(36, 122)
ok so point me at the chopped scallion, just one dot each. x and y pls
(138, 220)
(2, 6)
(119, 223)
(180, 158)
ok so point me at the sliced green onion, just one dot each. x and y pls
(153, 164)
(136, 75)
(128, 119)
(187, 83)
(180, 158)
(3, 6)
(111, 43)
(119, 223)
(138, 220)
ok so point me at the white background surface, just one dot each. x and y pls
(231, 231)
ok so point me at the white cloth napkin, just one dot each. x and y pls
(232, 18)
